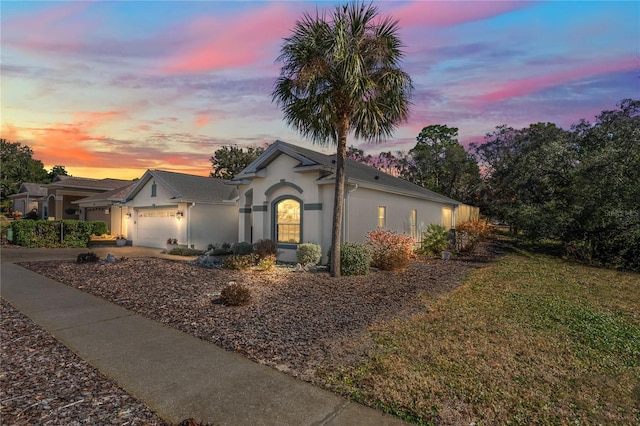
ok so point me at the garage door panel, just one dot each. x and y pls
(155, 227)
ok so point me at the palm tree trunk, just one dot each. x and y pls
(338, 201)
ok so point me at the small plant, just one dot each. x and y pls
(435, 240)
(235, 294)
(266, 263)
(355, 259)
(89, 257)
(308, 253)
(265, 248)
(183, 251)
(390, 251)
(239, 262)
(242, 248)
(172, 241)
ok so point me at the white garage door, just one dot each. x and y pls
(155, 227)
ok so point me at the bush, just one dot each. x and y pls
(469, 234)
(183, 251)
(308, 253)
(89, 257)
(219, 250)
(266, 263)
(52, 233)
(265, 248)
(390, 251)
(435, 239)
(235, 295)
(242, 248)
(355, 259)
(99, 227)
(239, 262)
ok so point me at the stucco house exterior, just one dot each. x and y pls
(194, 210)
(107, 206)
(64, 192)
(286, 195)
(30, 196)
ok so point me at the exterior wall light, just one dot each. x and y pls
(127, 216)
(179, 215)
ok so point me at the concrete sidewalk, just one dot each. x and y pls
(176, 375)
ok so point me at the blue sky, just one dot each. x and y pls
(112, 88)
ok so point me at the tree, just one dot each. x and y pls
(17, 165)
(438, 162)
(57, 170)
(341, 75)
(228, 161)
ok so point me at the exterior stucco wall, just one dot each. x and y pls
(211, 224)
(144, 199)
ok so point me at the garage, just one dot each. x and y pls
(155, 226)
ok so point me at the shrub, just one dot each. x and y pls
(52, 233)
(390, 251)
(183, 251)
(355, 259)
(265, 248)
(242, 248)
(469, 234)
(266, 263)
(235, 294)
(308, 253)
(435, 239)
(239, 262)
(89, 257)
(219, 250)
(98, 227)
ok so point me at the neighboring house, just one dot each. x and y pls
(195, 210)
(64, 192)
(287, 195)
(107, 206)
(30, 196)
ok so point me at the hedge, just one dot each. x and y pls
(52, 233)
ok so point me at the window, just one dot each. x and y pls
(287, 221)
(154, 189)
(414, 223)
(382, 217)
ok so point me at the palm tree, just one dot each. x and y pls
(341, 74)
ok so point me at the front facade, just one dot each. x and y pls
(30, 197)
(193, 210)
(107, 207)
(286, 195)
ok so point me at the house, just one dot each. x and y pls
(107, 206)
(30, 197)
(287, 195)
(194, 210)
(64, 192)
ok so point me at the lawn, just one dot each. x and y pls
(527, 339)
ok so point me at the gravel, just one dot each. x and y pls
(306, 324)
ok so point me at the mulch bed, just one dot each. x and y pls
(306, 324)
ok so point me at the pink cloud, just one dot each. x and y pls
(239, 41)
(526, 86)
(202, 120)
(445, 13)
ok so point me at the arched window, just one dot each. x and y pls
(287, 221)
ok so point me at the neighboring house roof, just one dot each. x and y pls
(356, 173)
(106, 184)
(188, 188)
(108, 197)
(31, 190)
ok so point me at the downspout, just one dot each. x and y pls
(345, 215)
(189, 224)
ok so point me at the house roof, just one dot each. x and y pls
(108, 197)
(105, 184)
(31, 190)
(187, 188)
(356, 173)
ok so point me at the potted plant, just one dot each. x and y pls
(121, 241)
(171, 244)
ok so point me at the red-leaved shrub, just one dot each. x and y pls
(390, 251)
(469, 234)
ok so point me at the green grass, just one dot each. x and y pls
(528, 339)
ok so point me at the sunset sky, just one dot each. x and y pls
(112, 88)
